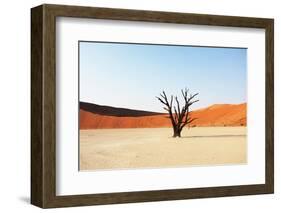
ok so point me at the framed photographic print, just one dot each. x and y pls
(136, 106)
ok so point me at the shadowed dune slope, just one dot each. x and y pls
(93, 116)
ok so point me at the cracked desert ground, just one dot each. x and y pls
(108, 149)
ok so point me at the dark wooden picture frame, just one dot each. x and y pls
(43, 105)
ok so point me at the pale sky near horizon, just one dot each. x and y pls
(131, 75)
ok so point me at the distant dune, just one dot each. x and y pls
(93, 116)
(221, 115)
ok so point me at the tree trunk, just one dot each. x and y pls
(177, 132)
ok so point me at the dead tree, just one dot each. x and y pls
(181, 115)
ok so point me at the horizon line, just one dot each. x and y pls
(102, 105)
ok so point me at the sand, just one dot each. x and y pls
(155, 148)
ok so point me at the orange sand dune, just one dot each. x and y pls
(221, 115)
(94, 116)
(90, 120)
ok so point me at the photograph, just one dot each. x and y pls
(145, 106)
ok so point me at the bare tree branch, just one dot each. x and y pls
(181, 116)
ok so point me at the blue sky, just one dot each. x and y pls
(131, 75)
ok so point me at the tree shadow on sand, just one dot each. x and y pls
(213, 136)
